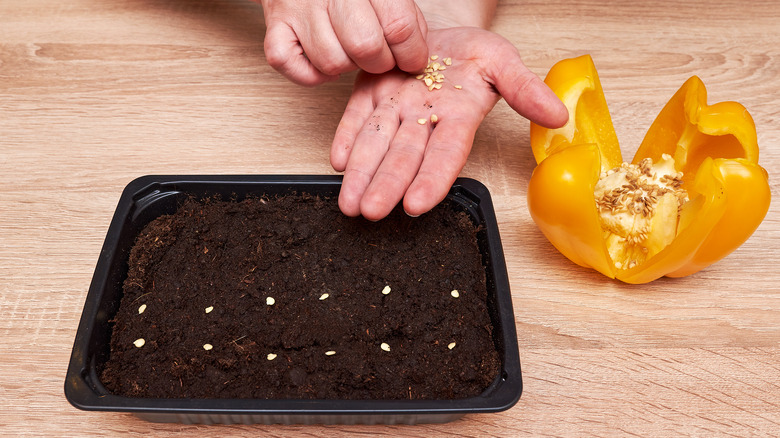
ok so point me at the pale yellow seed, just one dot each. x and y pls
(455, 293)
(324, 297)
(434, 118)
(139, 342)
(419, 76)
(271, 356)
(270, 301)
(451, 345)
(330, 353)
(447, 61)
(386, 290)
(384, 346)
(437, 86)
(422, 121)
(209, 309)
(431, 87)
(141, 309)
(434, 57)
(458, 87)
(435, 66)
(428, 81)
(207, 347)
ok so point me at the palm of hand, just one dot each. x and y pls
(386, 143)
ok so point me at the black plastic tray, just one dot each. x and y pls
(148, 197)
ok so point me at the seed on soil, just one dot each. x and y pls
(139, 342)
(455, 293)
(330, 353)
(271, 356)
(141, 309)
(386, 290)
(270, 301)
(209, 309)
(451, 345)
(324, 297)
(422, 121)
(385, 346)
(207, 347)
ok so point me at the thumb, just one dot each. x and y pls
(526, 93)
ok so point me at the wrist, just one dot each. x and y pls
(443, 14)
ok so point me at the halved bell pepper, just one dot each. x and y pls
(713, 146)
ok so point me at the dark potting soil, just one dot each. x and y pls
(280, 298)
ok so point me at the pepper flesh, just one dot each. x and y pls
(714, 146)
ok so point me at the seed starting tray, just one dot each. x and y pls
(149, 197)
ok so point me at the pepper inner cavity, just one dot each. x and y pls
(639, 209)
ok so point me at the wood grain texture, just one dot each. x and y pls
(94, 94)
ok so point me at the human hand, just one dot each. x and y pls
(387, 155)
(313, 41)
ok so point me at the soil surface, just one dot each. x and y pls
(201, 282)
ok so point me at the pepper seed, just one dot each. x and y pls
(423, 121)
(271, 356)
(455, 293)
(141, 309)
(451, 345)
(139, 342)
(270, 301)
(384, 346)
(207, 347)
(209, 309)
(330, 353)
(434, 118)
(324, 297)
(386, 290)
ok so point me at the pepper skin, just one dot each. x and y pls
(714, 146)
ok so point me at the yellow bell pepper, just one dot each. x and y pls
(714, 196)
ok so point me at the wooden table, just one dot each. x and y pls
(94, 94)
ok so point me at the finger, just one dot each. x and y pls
(356, 114)
(322, 46)
(526, 93)
(422, 23)
(359, 32)
(396, 171)
(370, 147)
(400, 21)
(445, 156)
(284, 54)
